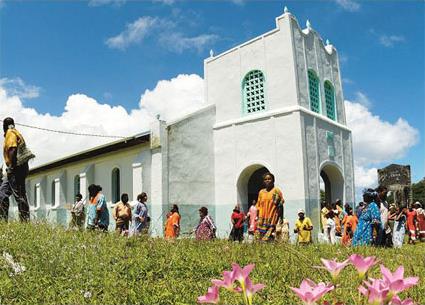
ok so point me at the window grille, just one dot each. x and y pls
(313, 85)
(330, 100)
(253, 92)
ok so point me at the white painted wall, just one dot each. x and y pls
(276, 143)
(272, 54)
(191, 166)
(95, 170)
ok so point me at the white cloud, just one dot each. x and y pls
(390, 40)
(167, 2)
(136, 31)
(347, 81)
(362, 99)
(348, 5)
(107, 2)
(375, 141)
(165, 31)
(17, 87)
(170, 98)
(365, 177)
(181, 95)
(178, 43)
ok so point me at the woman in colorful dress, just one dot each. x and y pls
(411, 224)
(399, 227)
(350, 223)
(369, 218)
(420, 217)
(269, 199)
(172, 225)
(97, 210)
(206, 228)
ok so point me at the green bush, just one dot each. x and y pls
(69, 267)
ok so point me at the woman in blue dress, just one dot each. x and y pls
(368, 219)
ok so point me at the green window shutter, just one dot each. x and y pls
(330, 100)
(76, 185)
(53, 193)
(253, 92)
(115, 185)
(313, 85)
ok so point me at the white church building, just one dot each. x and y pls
(275, 104)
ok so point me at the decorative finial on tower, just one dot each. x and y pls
(285, 10)
(158, 116)
(327, 42)
(308, 24)
(211, 53)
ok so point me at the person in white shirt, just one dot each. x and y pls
(77, 213)
(330, 228)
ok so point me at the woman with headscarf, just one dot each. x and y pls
(206, 228)
(172, 225)
(97, 210)
(269, 199)
(369, 218)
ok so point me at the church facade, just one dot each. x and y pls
(275, 104)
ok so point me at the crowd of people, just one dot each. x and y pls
(373, 222)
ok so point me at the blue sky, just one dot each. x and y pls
(61, 48)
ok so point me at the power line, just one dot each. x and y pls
(68, 132)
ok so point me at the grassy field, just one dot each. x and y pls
(68, 267)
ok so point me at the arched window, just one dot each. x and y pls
(313, 86)
(76, 185)
(53, 193)
(330, 100)
(253, 92)
(115, 185)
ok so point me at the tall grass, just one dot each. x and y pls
(69, 267)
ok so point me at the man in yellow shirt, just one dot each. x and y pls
(14, 184)
(303, 227)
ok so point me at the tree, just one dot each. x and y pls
(322, 196)
(418, 190)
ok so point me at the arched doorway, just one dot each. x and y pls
(250, 182)
(332, 182)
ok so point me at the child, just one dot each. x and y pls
(282, 231)
(399, 227)
(330, 228)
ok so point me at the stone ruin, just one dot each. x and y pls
(397, 179)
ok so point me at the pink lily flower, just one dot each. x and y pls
(251, 289)
(227, 282)
(211, 297)
(241, 274)
(362, 264)
(310, 292)
(396, 280)
(396, 301)
(376, 291)
(334, 267)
